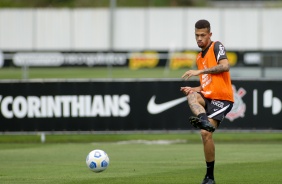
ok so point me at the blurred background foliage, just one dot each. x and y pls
(98, 3)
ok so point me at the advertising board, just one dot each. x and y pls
(127, 105)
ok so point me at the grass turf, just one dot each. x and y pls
(86, 72)
(139, 163)
(243, 160)
(186, 136)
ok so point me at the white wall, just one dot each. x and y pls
(90, 29)
(17, 29)
(137, 28)
(240, 28)
(53, 29)
(130, 29)
(165, 28)
(271, 29)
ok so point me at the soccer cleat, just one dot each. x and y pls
(207, 180)
(202, 124)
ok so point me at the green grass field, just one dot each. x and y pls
(244, 158)
(85, 72)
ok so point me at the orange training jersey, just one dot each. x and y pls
(214, 86)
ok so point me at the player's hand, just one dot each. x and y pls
(186, 90)
(190, 73)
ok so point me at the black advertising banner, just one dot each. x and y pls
(93, 105)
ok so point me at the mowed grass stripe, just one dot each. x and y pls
(89, 72)
(186, 136)
(140, 163)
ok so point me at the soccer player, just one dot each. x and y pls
(213, 99)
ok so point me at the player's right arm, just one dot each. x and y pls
(187, 89)
(191, 73)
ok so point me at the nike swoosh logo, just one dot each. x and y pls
(154, 108)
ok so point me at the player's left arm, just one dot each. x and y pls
(222, 66)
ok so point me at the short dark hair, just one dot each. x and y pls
(202, 24)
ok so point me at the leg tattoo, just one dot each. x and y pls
(194, 105)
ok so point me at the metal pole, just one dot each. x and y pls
(111, 34)
(112, 16)
(25, 69)
(260, 34)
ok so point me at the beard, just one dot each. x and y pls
(200, 45)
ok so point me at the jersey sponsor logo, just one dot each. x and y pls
(239, 107)
(154, 108)
(206, 80)
(64, 106)
(217, 103)
(221, 51)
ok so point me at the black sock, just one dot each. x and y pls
(203, 116)
(210, 167)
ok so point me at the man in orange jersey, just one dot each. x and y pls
(213, 99)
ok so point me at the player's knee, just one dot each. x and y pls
(206, 135)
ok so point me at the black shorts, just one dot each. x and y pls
(217, 109)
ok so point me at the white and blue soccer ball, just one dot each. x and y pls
(97, 160)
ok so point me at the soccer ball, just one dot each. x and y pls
(97, 160)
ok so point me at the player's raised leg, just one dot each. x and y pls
(197, 104)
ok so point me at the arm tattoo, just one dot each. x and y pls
(216, 69)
